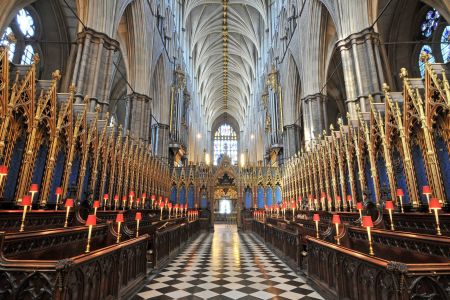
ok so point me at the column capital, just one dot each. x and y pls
(138, 97)
(367, 34)
(97, 37)
(315, 97)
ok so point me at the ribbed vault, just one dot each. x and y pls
(246, 23)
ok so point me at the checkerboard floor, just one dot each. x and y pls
(227, 265)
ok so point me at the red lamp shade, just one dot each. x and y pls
(300, 199)
(116, 197)
(367, 221)
(359, 206)
(138, 216)
(338, 198)
(389, 205)
(310, 196)
(91, 220)
(316, 218)
(323, 195)
(105, 196)
(161, 205)
(336, 219)
(293, 205)
(132, 194)
(160, 198)
(26, 200)
(96, 204)
(124, 198)
(69, 203)
(3, 170)
(349, 197)
(176, 205)
(426, 190)
(153, 197)
(144, 195)
(166, 200)
(400, 193)
(34, 188)
(169, 205)
(186, 205)
(119, 218)
(434, 203)
(58, 191)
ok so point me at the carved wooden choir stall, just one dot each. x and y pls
(365, 214)
(85, 208)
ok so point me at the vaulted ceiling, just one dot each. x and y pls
(204, 23)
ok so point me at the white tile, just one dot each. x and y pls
(234, 286)
(291, 295)
(208, 285)
(315, 295)
(206, 294)
(234, 294)
(182, 285)
(262, 295)
(178, 294)
(157, 285)
(149, 294)
(286, 287)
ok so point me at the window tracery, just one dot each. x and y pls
(225, 143)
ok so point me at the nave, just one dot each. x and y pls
(227, 264)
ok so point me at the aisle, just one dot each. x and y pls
(227, 265)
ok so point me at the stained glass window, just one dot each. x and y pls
(445, 44)
(426, 49)
(225, 143)
(430, 23)
(24, 30)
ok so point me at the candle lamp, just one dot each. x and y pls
(143, 196)
(400, 195)
(367, 222)
(323, 195)
(316, 219)
(350, 201)
(435, 205)
(359, 207)
(161, 206)
(390, 208)
(138, 202)
(96, 206)
(170, 209)
(166, 202)
(33, 190)
(330, 205)
(131, 195)
(138, 218)
(427, 192)
(116, 199)
(119, 221)
(91, 221)
(68, 205)
(3, 173)
(153, 198)
(124, 202)
(310, 200)
(58, 194)
(336, 221)
(185, 208)
(105, 199)
(293, 210)
(26, 201)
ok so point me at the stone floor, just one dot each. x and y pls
(227, 265)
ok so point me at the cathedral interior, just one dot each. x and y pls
(225, 149)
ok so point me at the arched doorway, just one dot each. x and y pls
(225, 204)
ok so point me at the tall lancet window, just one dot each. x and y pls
(225, 143)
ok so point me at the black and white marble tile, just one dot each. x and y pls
(227, 265)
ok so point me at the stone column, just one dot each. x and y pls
(162, 140)
(362, 68)
(93, 67)
(315, 119)
(139, 117)
(291, 140)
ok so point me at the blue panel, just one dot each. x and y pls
(191, 194)
(39, 168)
(204, 202)
(359, 191)
(182, 195)
(419, 167)
(347, 183)
(248, 199)
(260, 197)
(85, 193)
(75, 170)
(269, 196)
(14, 168)
(382, 173)
(173, 195)
(277, 194)
(444, 163)
(57, 175)
(399, 172)
(369, 179)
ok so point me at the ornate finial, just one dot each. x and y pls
(36, 58)
(403, 73)
(11, 38)
(107, 116)
(72, 88)
(332, 127)
(386, 88)
(424, 57)
(86, 100)
(56, 75)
